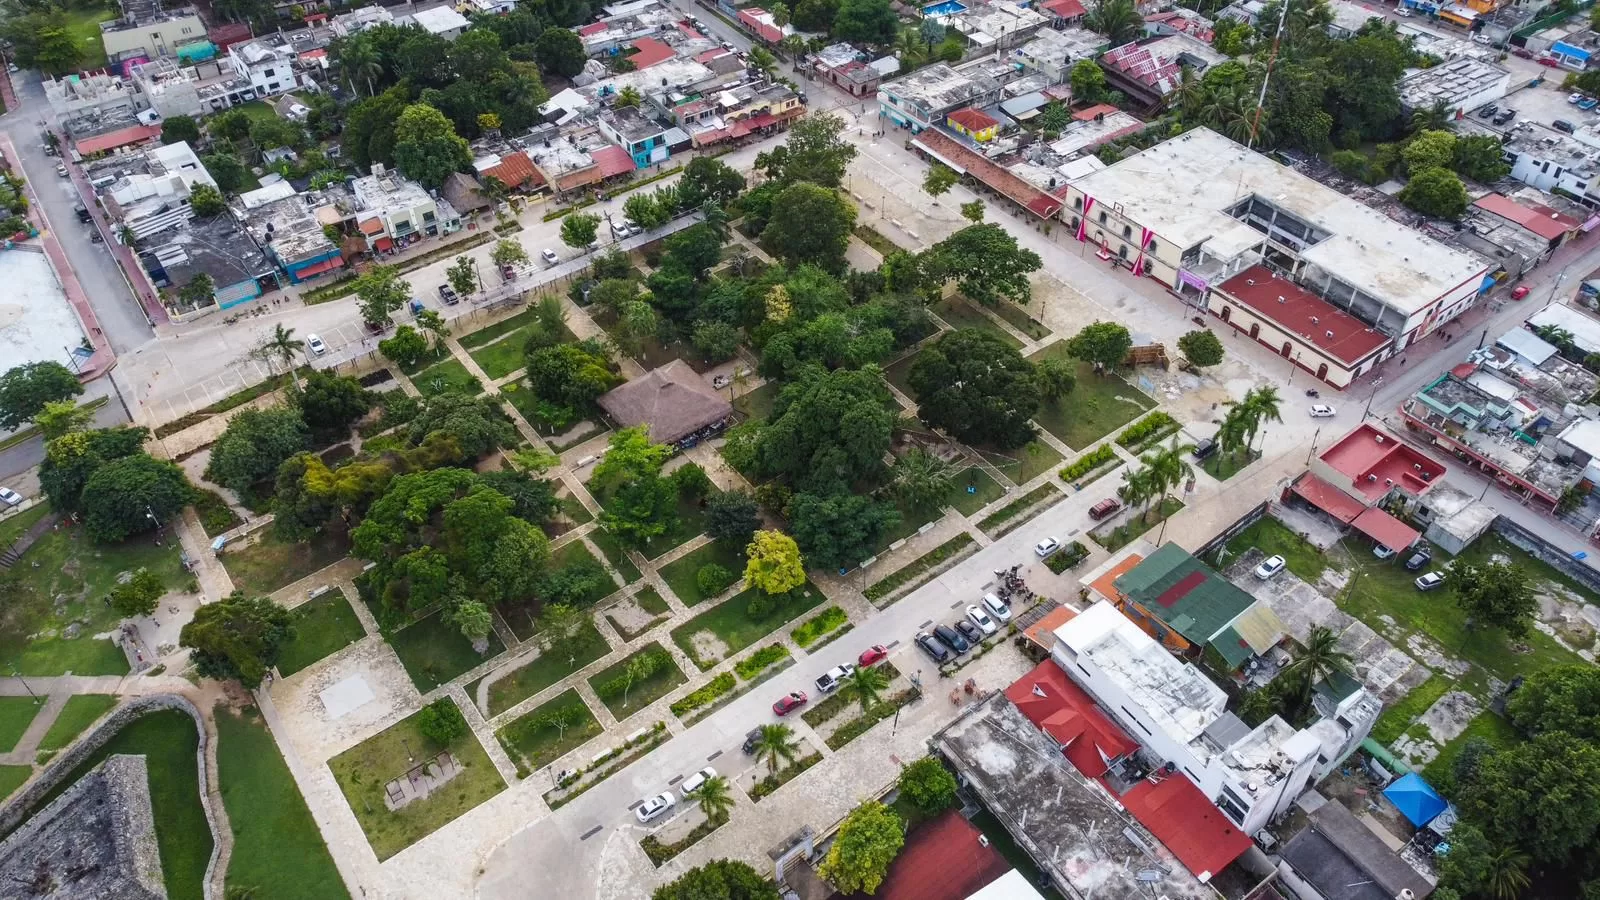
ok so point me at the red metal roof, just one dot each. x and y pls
(325, 266)
(942, 860)
(593, 28)
(1190, 825)
(1386, 529)
(649, 52)
(122, 137)
(972, 119)
(1316, 321)
(1062, 710)
(612, 161)
(1064, 9)
(954, 154)
(1541, 220)
(1084, 115)
(515, 170)
(1328, 498)
(690, 32)
(711, 54)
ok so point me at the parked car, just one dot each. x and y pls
(996, 607)
(1564, 126)
(1402, 12)
(549, 256)
(82, 213)
(1504, 116)
(1429, 581)
(788, 703)
(971, 632)
(1382, 552)
(1104, 508)
(1321, 411)
(508, 272)
(935, 650)
(977, 616)
(829, 681)
(1418, 560)
(10, 497)
(951, 638)
(61, 169)
(1487, 111)
(448, 295)
(315, 345)
(872, 655)
(417, 306)
(693, 782)
(1204, 448)
(1046, 547)
(1588, 103)
(1550, 61)
(750, 741)
(1271, 566)
(655, 807)
(1574, 97)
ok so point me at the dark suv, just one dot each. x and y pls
(1418, 560)
(951, 638)
(1205, 448)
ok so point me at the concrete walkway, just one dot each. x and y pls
(28, 745)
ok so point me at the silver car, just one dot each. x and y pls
(693, 782)
(655, 807)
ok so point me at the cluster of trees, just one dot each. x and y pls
(1433, 159)
(873, 834)
(976, 387)
(42, 35)
(257, 442)
(1159, 471)
(28, 390)
(1245, 419)
(106, 477)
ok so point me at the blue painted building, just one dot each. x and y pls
(645, 139)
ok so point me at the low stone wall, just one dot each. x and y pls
(13, 813)
(1227, 534)
(1547, 552)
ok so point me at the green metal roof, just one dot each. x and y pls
(1231, 646)
(1185, 593)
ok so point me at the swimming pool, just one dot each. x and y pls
(947, 8)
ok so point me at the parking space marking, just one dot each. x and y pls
(892, 644)
(713, 756)
(925, 624)
(591, 833)
(635, 804)
(956, 605)
(675, 780)
(1073, 532)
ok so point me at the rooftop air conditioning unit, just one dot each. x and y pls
(1379, 438)
(1328, 334)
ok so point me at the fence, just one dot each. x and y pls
(1547, 552)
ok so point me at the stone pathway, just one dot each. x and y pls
(28, 745)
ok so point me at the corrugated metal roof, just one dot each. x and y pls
(1185, 593)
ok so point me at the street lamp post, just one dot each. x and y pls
(25, 685)
(1376, 383)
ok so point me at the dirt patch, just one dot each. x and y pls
(1569, 618)
(629, 618)
(708, 647)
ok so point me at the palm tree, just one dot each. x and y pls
(922, 480)
(715, 799)
(1506, 875)
(281, 345)
(794, 45)
(908, 43)
(359, 59)
(628, 96)
(1319, 658)
(780, 14)
(1264, 405)
(1431, 118)
(1169, 466)
(1231, 437)
(1188, 93)
(775, 743)
(762, 60)
(1138, 488)
(865, 685)
(1116, 19)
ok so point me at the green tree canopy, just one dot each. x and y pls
(1429, 150)
(708, 180)
(814, 150)
(71, 459)
(868, 841)
(929, 784)
(121, 496)
(1493, 594)
(810, 224)
(426, 146)
(578, 229)
(866, 21)
(254, 445)
(829, 430)
(839, 531)
(1435, 192)
(719, 879)
(25, 389)
(237, 638)
(1201, 347)
(1546, 792)
(180, 129)
(774, 564)
(1561, 698)
(731, 517)
(138, 595)
(380, 291)
(1088, 81)
(1105, 344)
(976, 387)
(559, 51)
(330, 403)
(985, 262)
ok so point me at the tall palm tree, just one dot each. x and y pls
(781, 15)
(794, 45)
(1169, 466)
(1265, 406)
(775, 743)
(1319, 658)
(281, 345)
(1231, 436)
(1431, 118)
(1188, 93)
(359, 59)
(715, 798)
(922, 480)
(1138, 487)
(1506, 876)
(762, 60)
(1118, 20)
(866, 686)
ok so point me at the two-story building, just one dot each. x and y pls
(358, 20)
(644, 138)
(1052, 53)
(923, 98)
(151, 190)
(846, 68)
(1149, 70)
(91, 95)
(146, 29)
(393, 212)
(268, 67)
(1325, 281)
(1462, 85)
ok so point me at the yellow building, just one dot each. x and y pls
(974, 123)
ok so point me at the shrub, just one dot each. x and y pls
(704, 695)
(748, 667)
(692, 481)
(1067, 557)
(713, 579)
(1087, 463)
(828, 620)
(760, 606)
(1151, 425)
(442, 721)
(928, 784)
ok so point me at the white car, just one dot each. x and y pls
(1403, 12)
(1046, 547)
(996, 607)
(829, 681)
(655, 807)
(1429, 581)
(315, 344)
(549, 256)
(1381, 552)
(1271, 566)
(1574, 98)
(1321, 411)
(693, 782)
(978, 617)
(10, 497)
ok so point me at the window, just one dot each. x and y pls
(272, 86)
(1077, 203)
(1152, 248)
(427, 217)
(271, 73)
(1148, 266)
(1102, 217)
(1074, 224)
(1122, 251)
(1127, 231)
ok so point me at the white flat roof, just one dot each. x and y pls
(439, 19)
(1013, 885)
(1181, 189)
(1585, 331)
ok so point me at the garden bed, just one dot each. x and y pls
(605, 765)
(860, 725)
(920, 570)
(533, 741)
(1019, 511)
(1148, 432)
(660, 853)
(828, 621)
(738, 622)
(766, 786)
(624, 698)
(1117, 537)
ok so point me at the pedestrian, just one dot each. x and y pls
(1402, 362)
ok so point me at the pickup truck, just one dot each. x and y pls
(829, 681)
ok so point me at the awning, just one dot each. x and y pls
(1386, 530)
(316, 269)
(1327, 498)
(1415, 798)
(383, 245)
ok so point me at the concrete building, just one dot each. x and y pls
(146, 29)
(1092, 127)
(91, 96)
(644, 138)
(762, 26)
(923, 98)
(1546, 159)
(1460, 84)
(996, 26)
(1053, 53)
(1453, 519)
(393, 212)
(1149, 70)
(269, 68)
(1180, 720)
(576, 158)
(216, 247)
(1180, 21)
(1359, 475)
(151, 191)
(846, 68)
(1199, 211)
(290, 230)
(359, 20)
(1340, 857)
(441, 21)
(1572, 46)
(1540, 223)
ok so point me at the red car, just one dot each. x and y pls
(789, 703)
(872, 655)
(1519, 293)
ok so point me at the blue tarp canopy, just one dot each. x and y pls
(1416, 798)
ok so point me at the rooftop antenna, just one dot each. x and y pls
(1272, 59)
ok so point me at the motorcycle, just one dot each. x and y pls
(1312, 392)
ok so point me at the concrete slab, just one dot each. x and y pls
(346, 697)
(37, 323)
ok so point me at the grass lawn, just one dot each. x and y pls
(546, 669)
(322, 627)
(611, 548)
(167, 740)
(757, 404)
(365, 769)
(259, 110)
(899, 374)
(16, 714)
(1223, 466)
(984, 490)
(1097, 406)
(959, 313)
(1025, 463)
(691, 521)
(273, 832)
(272, 562)
(449, 375)
(84, 27)
(573, 508)
(80, 712)
(644, 691)
(434, 651)
(532, 743)
(500, 358)
(731, 623)
(1398, 717)
(1018, 318)
(520, 615)
(1274, 539)
(65, 577)
(1139, 523)
(680, 573)
(12, 777)
(1487, 726)
(505, 326)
